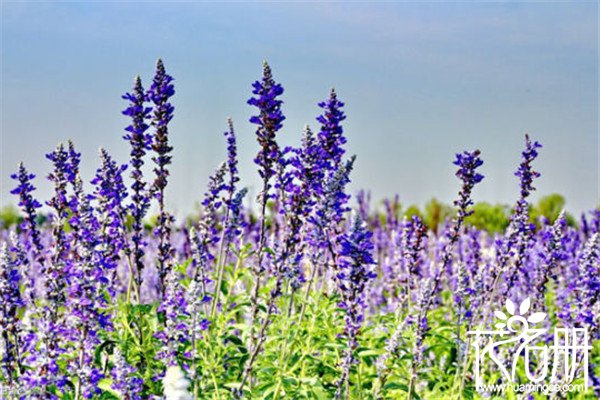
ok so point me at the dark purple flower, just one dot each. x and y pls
(140, 142)
(331, 136)
(110, 193)
(235, 222)
(525, 172)
(467, 163)
(174, 307)
(520, 230)
(355, 271)
(160, 91)
(232, 161)
(269, 121)
(29, 205)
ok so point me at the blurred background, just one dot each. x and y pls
(421, 82)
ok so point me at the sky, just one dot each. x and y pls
(421, 82)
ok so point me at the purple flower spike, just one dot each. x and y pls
(10, 301)
(588, 285)
(161, 90)
(331, 136)
(354, 274)
(467, 163)
(269, 121)
(525, 171)
(29, 205)
(140, 142)
(124, 380)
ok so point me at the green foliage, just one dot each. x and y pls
(303, 348)
(151, 222)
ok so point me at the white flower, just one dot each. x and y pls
(175, 385)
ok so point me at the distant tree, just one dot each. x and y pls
(436, 213)
(9, 216)
(549, 207)
(488, 217)
(413, 210)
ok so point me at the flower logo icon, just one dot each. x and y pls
(513, 317)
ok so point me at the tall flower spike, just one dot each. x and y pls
(140, 143)
(520, 230)
(553, 254)
(232, 161)
(197, 298)
(525, 172)
(29, 205)
(467, 163)
(173, 306)
(269, 121)
(232, 210)
(355, 272)
(10, 301)
(124, 381)
(161, 90)
(331, 135)
(588, 285)
(85, 303)
(74, 160)
(54, 274)
(110, 193)
(236, 219)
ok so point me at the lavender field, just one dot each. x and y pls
(311, 293)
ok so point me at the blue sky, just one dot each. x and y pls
(421, 82)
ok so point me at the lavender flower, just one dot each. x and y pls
(29, 205)
(200, 258)
(85, 302)
(212, 203)
(54, 273)
(553, 255)
(232, 162)
(160, 92)
(269, 121)
(467, 163)
(331, 136)
(588, 285)
(355, 273)
(196, 295)
(297, 206)
(140, 143)
(110, 193)
(74, 158)
(525, 172)
(330, 210)
(173, 306)
(125, 382)
(9, 324)
(233, 213)
(235, 222)
(520, 230)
